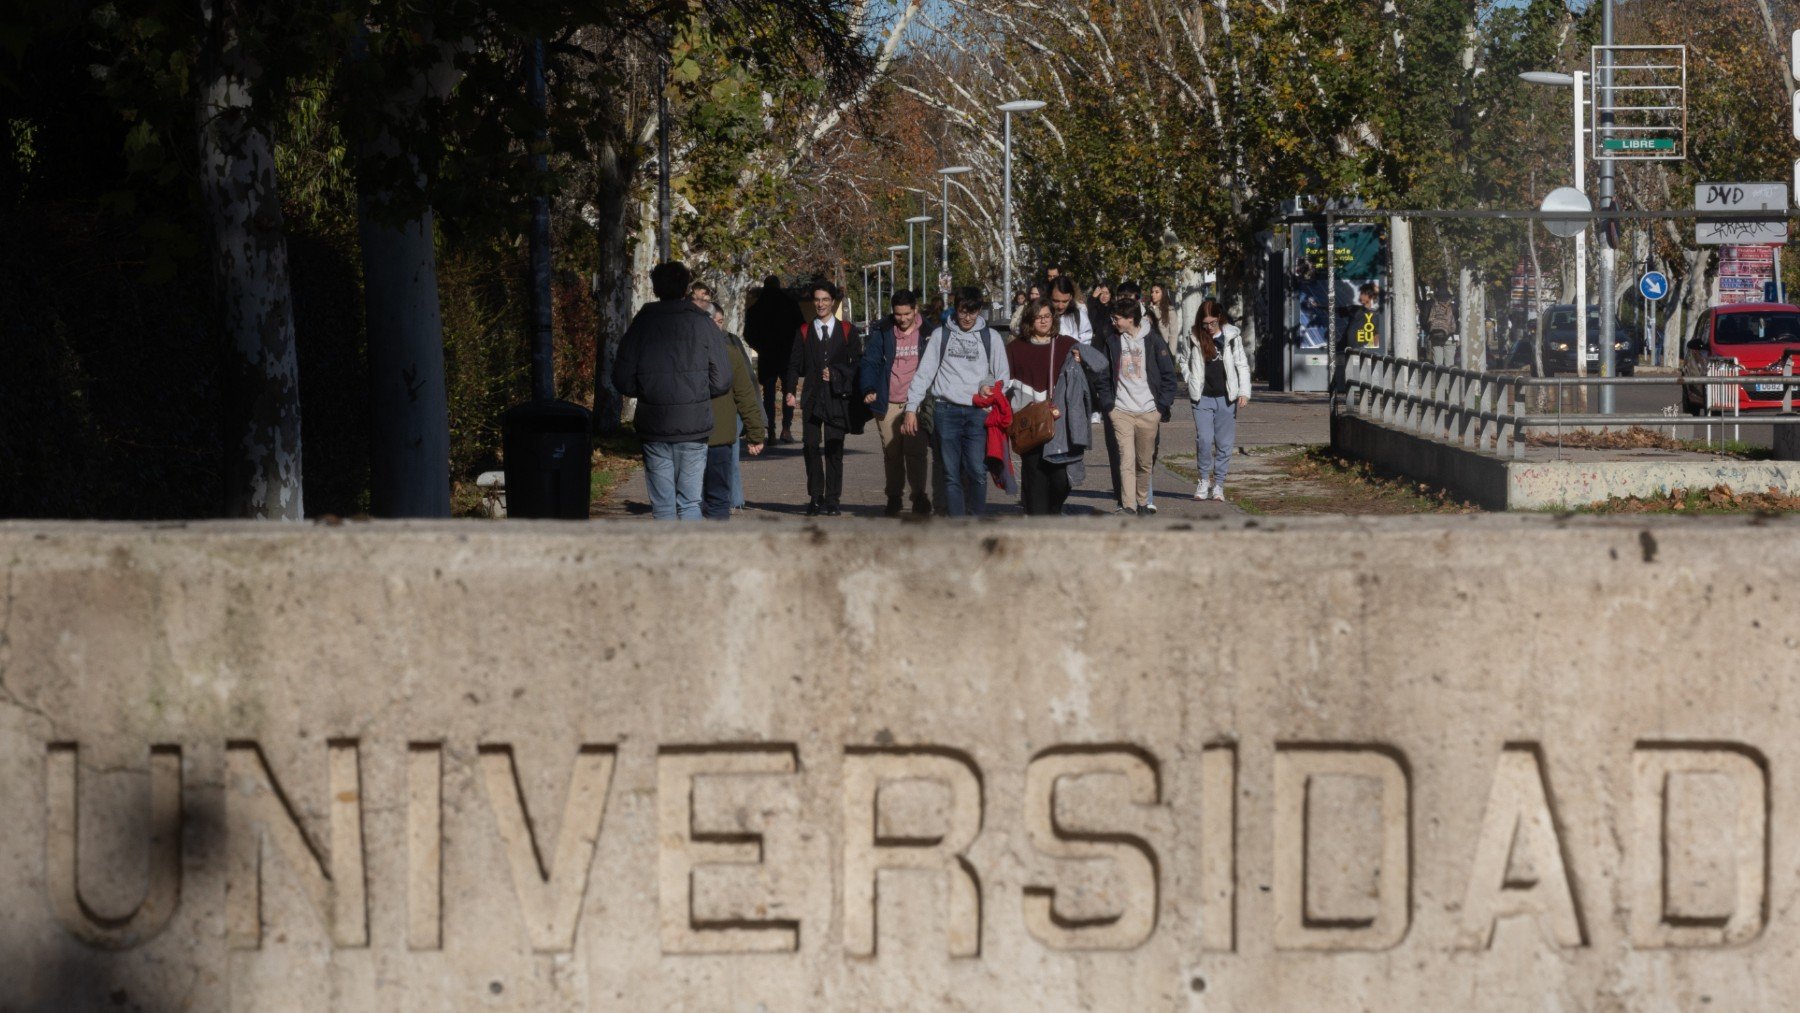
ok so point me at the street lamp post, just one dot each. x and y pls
(894, 272)
(924, 250)
(1006, 243)
(1609, 252)
(944, 270)
(875, 304)
(865, 294)
(1577, 81)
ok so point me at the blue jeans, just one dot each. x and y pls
(676, 474)
(715, 499)
(962, 446)
(1215, 437)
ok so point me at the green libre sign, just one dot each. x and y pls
(1638, 143)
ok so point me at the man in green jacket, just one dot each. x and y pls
(740, 404)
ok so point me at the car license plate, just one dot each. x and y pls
(1767, 388)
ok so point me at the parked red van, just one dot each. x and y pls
(1757, 336)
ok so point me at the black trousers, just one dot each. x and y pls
(1043, 488)
(771, 378)
(824, 461)
(1112, 454)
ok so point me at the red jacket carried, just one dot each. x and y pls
(999, 447)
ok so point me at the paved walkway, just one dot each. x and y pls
(775, 483)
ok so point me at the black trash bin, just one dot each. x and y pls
(548, 460)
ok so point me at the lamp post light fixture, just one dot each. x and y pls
(1006, 243)
(944, 270)
(1578, 82)
(924, 249)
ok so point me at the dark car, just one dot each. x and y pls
(1559, 344)
(1749, 339)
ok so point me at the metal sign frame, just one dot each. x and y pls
(1659, 71)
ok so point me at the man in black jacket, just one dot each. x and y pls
(823, 365)
(769, 326)
(1135, 401)
(674, 360)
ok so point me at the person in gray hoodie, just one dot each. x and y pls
(674, 360)
(966, 358)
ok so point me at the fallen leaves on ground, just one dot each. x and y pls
(1717, 500)
(1635, 438)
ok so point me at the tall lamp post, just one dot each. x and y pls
(894, 273)
(1578, 82)
(1006, 243)
(924, 220)
(944, 270)
(875, 303)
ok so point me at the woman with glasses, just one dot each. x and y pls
(1218, 379)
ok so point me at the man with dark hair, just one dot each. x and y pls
(1071, 315)
(674, 360)
(822, 366)
(1136, 401)
(889, 363)
(769, 327)
(967, 358)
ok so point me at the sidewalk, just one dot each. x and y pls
(775, 483)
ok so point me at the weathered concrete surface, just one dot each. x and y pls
(1468, 763)
(1787, 443)
(1534, 483)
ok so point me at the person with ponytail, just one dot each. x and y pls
(1217, 371)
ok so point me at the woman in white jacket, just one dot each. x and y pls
(1218, 380)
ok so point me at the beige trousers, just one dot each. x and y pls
(903, 456)
(1136, 432)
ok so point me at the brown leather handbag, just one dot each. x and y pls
(1035, 424)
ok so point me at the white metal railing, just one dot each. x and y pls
(1492, 411)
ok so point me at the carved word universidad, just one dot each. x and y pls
(1518, 831)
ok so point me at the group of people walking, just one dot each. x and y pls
(952, 399)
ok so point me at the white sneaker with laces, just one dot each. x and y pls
(1218, 491)
(1201, 490)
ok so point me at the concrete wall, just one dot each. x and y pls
(1489, 762)
(1534, 483)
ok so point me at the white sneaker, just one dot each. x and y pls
(1218, 491)
(1201, 491)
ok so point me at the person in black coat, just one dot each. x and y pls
(674, 360)
(1134, 402)
(769, 326)
(823, 364)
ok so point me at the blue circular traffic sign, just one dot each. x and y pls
(1653, 285)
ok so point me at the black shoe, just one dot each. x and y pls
(831, 509)
(893, 506)
(1143, 511)
(812, 508)
(922, 506)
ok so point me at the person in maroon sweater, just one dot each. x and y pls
(1034, 358)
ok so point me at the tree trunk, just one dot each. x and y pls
(250, 273)
(613, 294)
(1467, 324)
(1537, 302)
(1404, 291)
(409, 418)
